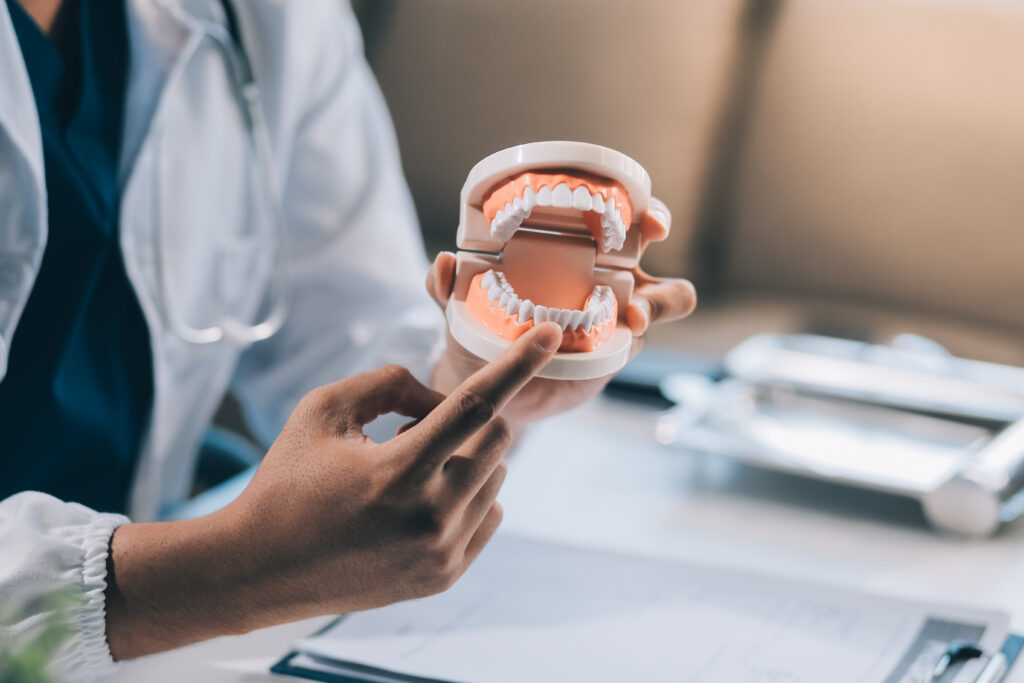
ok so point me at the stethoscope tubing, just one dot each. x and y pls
(229, 329)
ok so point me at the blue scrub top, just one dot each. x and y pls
(76, 399)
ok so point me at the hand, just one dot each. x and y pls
(654, 300)
(332, 521)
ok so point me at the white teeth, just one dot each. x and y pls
(498, 286)
(561, 196)
(613, 230)
(525, 311)
(581, 199)
(511, 216)
(598, 312)
(587, 321)
(529, 199)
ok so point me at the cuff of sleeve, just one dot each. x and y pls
(88, 651)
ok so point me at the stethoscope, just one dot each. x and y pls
(227, 37)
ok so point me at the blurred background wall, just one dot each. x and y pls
(886, 157)
(848, 166)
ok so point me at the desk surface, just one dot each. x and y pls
(596, 477)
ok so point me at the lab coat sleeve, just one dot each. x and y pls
(357, 262)
(53, 568)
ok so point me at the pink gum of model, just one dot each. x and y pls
(555, 271)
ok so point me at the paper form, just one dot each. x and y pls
(535, 611)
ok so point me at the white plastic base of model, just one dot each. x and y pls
(609, 358)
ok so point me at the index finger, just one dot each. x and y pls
(481, 397)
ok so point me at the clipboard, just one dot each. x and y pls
(538, 611)
(996, 667)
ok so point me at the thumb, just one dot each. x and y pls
(441, 278)
(363, 398)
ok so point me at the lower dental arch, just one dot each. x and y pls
(598, 310)
(494, 304)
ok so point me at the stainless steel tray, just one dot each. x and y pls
(910, 421)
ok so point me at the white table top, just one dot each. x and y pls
(596, 477)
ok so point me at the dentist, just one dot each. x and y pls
(141, 278)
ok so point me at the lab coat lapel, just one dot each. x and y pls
(159, 36)
(22, 186)
(17, 104)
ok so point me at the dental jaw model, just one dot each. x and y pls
(550, 231)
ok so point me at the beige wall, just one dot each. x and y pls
(886, 158)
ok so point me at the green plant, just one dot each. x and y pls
(25, 660)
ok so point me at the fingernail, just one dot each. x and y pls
(406, 427)
(549, 337)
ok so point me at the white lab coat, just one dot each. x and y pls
(356, 260)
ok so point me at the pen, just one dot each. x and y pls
(961, 651)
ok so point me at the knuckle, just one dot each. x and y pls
(438, 570)
(476, 408)
(395, 374)
(500, 471)
(655, 307)
(439, 583)
(440, 561)
(501, 432)
(317, 401)
(457, 466)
